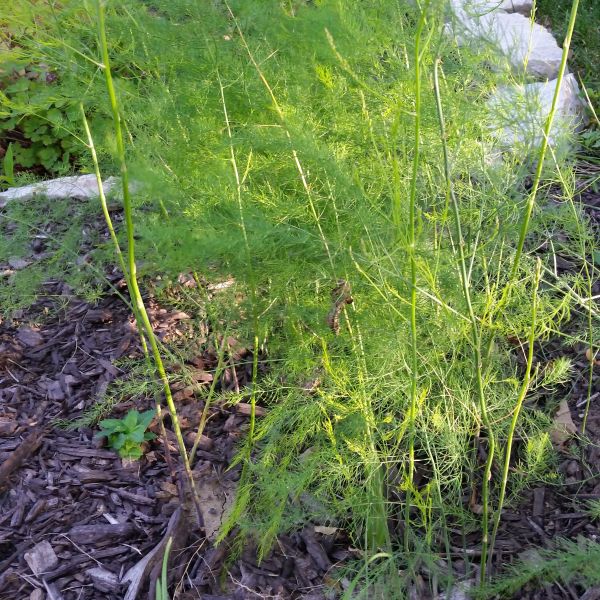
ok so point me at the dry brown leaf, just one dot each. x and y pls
(216, 498)
(592, 356)
(563, 427)
(325, 530)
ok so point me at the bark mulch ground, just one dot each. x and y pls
(75, 519)
(558, 510)
(77, 522)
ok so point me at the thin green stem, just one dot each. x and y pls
(517, 411)
(475, 334)
(252, 275)
(125, 271)
(412, 217)
(208, 401)
(134, 289)
(108, 220)
(543, 148)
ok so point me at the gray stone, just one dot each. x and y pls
(521, 6)
(78, 187)
(479, 7)
(524, 45)
(519, 112)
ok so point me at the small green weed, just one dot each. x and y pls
(41, 139)
(39, 115)
(566, 562)
(128, 434)
(8, 168)
(593, 509)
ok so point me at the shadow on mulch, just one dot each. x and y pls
(76, 521)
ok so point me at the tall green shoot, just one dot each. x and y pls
(134, 290)
(412, 218)
(475, 333)
(528, 210)
(517, 410)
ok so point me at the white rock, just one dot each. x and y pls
(79, 187)
(523, 44)
(519, 112)
(478, 7)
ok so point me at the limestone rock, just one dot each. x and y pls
(524, 45)
(478, 7)
(519, 112)
(78, 187)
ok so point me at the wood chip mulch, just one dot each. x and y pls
(76, 521)
(559, 510)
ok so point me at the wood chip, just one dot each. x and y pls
(538, 502)
(86, 452)
(103, 580)
(27, 447)
(95, 476)
(205, 442)
(242, 408)
(135, 498)
(7, 426)
(90, 534)
(201, 376)
(41, 558)
(99, 315)
(29, 336)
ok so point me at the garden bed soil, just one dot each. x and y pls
(101, 515)
(74, 517)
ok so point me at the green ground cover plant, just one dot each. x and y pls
(38, 119)
(334, 160)
(127, 435)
